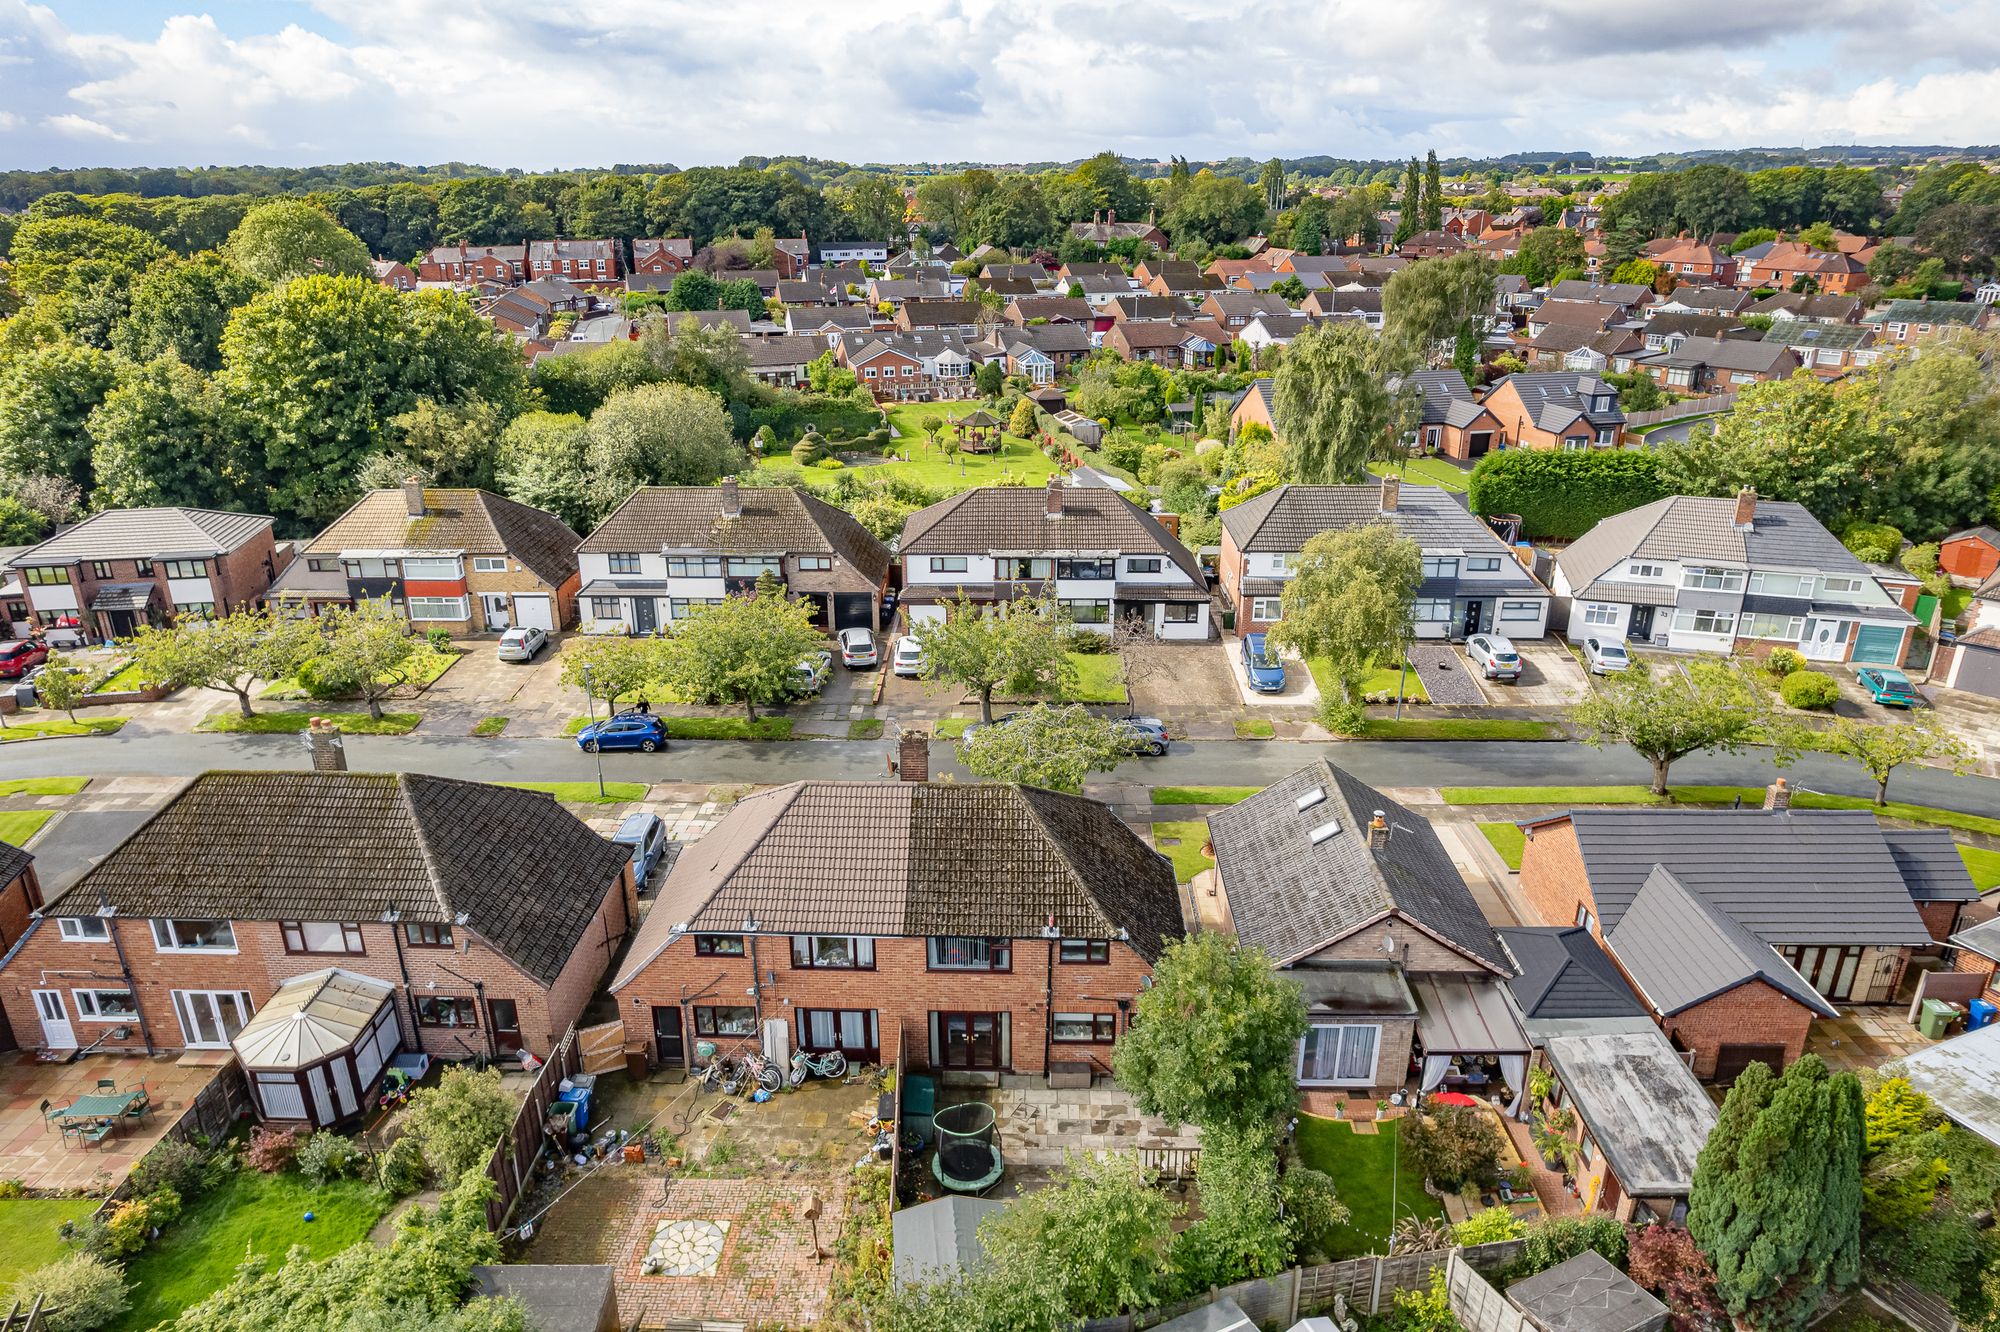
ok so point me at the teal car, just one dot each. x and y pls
(1890, 687)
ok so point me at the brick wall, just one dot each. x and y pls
(1418, 952)
(18, 900)
(1553, 877)
(1940, 918)
(1750, 1014)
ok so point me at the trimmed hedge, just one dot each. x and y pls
(1810, 689)
(1559, 493)
(791, 413)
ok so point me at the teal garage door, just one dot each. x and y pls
(1876, 645)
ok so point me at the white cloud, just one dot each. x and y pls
(591, 82)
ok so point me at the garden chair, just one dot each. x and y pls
(46, 1123)
(141, 1107)
(72, 1131)
(108, 1086)
(95, 1134)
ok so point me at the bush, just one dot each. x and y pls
(12, 1188)
(1561, 1239)
(1784, 662)
(1810, 689)
(85, 1292)
(401, 1170)
(1559, 493)
(829, 464)
(271, 1150)
(438, 639)
(130, 1226)
(1452, 1145)
(163, 1208)
(1488, 1226)
(327, 1155)
(172, 1164)
(458, 1122)
(1873, 543)
(809, 450)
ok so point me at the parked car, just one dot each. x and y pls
(909, 656)
(521, 644)
(1146, 735)
(1605, 657)
(857, 648)
(16, 657)
(1266, 672)
(809, 676)
(1890, 687)
(646, 834)
(628, 730)
(1494, 657)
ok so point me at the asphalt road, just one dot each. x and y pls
(1219, 762)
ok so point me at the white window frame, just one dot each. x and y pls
(1600, 614)
(1263, 610)
(1722, 623)
(78, 929)
(167, 940)
(1520, 610)
(427, 608)
(1374, 1030)
(1703, 578)
(489, 564)
(433, 568)
(89, 1004)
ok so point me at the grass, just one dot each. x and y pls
(1381, 680)
(1187, 836)
(585, 793)
(489, 726)
(1981, 864)
(55, 726)
(1428, 472)
(1507, 839)
(125, 679)
(867, 728)
(28, 1236)
(1955, 602)
(1015, 460)
(1255, 729)
(1366, 1180)
(18, 825)
(729, 728)
(291, 723)
(1712, 795)
(42, 786)
(1203, 795)
(422, 669)
(1459, 728)
(1100, 678)
(263, 1214)
(951, 728)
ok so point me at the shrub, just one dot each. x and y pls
(1873, 543)
(1452, 1145)
(438, 639)
(85, 1292)
(1560, 1239)
(1559, 493)
(12, 1188)
(130, 1225)
(1785, 661)
(172, 1164)
(327, 1155)
(829, 464)
(271, 1150)
(809, 450)
(457, 1122)
(1810, 689)
(163, 1208)
(1488, 1226)
(401, 1170)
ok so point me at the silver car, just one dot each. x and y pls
(1494, 657)
(1605, 657)
(521, 644)
(857, 648)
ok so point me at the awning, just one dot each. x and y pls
(1461, 1015)
(124, 596)
(311, 1018)
(1355, 989)
(611, 587)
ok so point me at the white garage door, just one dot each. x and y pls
(534, 612)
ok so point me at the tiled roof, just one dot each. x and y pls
(125, 534)
(1292, 897)
(1048, 307)
(1282, 520)
(14, 862)
(1623, 294)
(1931, 865)
(989, 518)
(1562, 973)
(512, 865)
(477, 522)
(1762, 358)
(773, 518)
(1782, 535)
(916, 859)
(1680, 949)
(783, 350)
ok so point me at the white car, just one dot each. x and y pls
(1494, 657)
(1604, 657)
(909, 658)
(857, 648)
(521, 644)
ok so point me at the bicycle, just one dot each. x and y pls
(829, 1065)
(762, 1072)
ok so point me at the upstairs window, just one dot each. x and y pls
(955, 953)
(194, 936)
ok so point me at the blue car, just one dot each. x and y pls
(646, 834)
(1266, 672)
(628, 730)
(1890, 687)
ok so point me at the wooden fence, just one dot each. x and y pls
(1476, 1304)
(1680, 411)
(514, 1156)
(1918, 1307)
(210, 1115)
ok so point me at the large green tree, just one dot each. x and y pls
(1334, 405)
(181, 308)
(1666, 716)
(1096, 1237)
(47, 395)
(230, 654)
(80, 270)
(544, 461)
(1053, 747)
(658, 435)
(1349, 604)
(1879, 749)
(746, 650)
(290, 238)
(975, 648)
(1434, 306)
(362, 650)
(164, 437)
(1545, 252)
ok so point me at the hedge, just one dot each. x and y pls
(1561, 493)
(789, 416)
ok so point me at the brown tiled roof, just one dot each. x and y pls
(988, 518)
(775, 518)
(916, 859)
(475, 521)
(513, 866)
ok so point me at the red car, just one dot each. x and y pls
(17, 657)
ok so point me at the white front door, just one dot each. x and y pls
(57, 1033)
(537, 611)
(498, 615)
(210, 1019)
(1825, 640)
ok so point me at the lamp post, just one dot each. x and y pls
(590, 701)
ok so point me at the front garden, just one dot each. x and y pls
(291, 723)
(16, 729)
(18, 825)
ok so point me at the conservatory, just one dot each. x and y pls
(315, 1052)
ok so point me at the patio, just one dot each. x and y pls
(34, 1152)
(1865, 1038)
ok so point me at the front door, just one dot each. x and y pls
(57, 1033)
(668, 1045)
(1641, 630)
(645, 615)
(1472, 612)
(1825, 640)
(497, 611)
(506, 1023)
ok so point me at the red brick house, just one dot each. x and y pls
(20, 898)
(1787, 262)
(577, 260)
(122, 568)
(394, 274)
(506, 264)
(492, 913)
(1431, 245)
(974, 929)
(1168, 344)
(1693, 261)
(1971, 555)
(1566, 410)
(662, 255)
(1738, 928)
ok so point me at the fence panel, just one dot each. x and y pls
(602, 1047)
(1477, 1306)
(1920, 1307)
(514, 1156)
(1680, 411)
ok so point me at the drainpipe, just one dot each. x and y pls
(125, 969)
(414, 1033)
(1049, 1010)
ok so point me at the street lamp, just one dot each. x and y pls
(590, 700)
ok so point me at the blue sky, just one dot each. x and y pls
(540, 84)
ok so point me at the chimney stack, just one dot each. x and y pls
(328, 754)
(1111, 217)
(413, 495)
(1778, 795)
(1392, 493)
(913, 755)
(732, 499)
(1055, 506)
(1378, 831)
(1746, 509)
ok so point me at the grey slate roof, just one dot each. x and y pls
(1641, 1105)
(773, 518)
(1558, 397)
(1015, 518)
(1931, 865)
(1789, 877)
(1285, 518)
(1762, 358)
(1560, 972)
(1587, 1294)
(1292, 898)
(1681, 950)
(937, 1240)
(125, 534)
(514, 866)
(1783, 535)
(1611, 293)
(14, 862)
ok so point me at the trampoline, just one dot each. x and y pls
(967, 1160)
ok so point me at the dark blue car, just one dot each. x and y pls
(628, 730)
(1266, 672)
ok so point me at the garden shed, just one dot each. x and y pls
(315, 1052)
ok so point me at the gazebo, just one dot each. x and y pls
(316, 1051)
(978, 433)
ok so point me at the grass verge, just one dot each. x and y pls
(55, 726)
(1381, 680)
(28, 1237)
(1366, 1180)
(1981, 864)
(291, 723)
(125, 679)
(867, 728)
(489, 726)
(1255, 729)
(729, 728)
(1459, 728)
(585, 793)
(18, 825)
(1181, 842)
(41, 786)
(1507, 839)
(951, 728)
(1203, 795)
(1712, 795)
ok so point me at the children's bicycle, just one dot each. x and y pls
(832, 1064)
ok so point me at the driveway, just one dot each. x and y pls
(479, 685)
(1550, 677)
(1300, 691)
(1182, 678)
(1445, 675)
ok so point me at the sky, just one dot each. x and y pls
(549, 84)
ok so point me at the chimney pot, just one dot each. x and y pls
(1746, 509)
(732, 498)
(1111, 217)
(1392, 493)
(328, 754)
(1378, 831)
(1055, 505)
(1778, 795)
(413, 495)
(913, 756)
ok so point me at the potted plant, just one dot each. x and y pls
(1541, 1085)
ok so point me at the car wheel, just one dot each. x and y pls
(1157, 750)
(648, 746)
(590, 746)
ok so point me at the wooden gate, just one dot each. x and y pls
(602, 1047)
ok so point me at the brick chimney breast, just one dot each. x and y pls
(1778, 795)
(413, 496)
(1746, 509)
(1378, 831)
(1055, 497)
(732, 498)
(328, 753)
(913, 755)
(1392, 493)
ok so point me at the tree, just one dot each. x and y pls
(82, 1292)
(1409, 208)
(828, 378)
(989, 378)
(658, 435)
(543, 461)
(1664, 1260)
(1436, 302)
(78, 272)
(693, 290)
(46, 398)
(1666, 717)
(1776, 1202)
(290, 238)
(61, 686)
(874, 206)
(1350, 603)
(1271, 180)
(975, 648)
(1053, 747)
(612, 668)
(161, 437)
(1544, 252)
(19, 524)
(230, 654)
(1253, 1222)
(1021, 421)
(1640, 272)
(1880, 750)
(363, 650)
(457, 1122)
(745, 650)
(181, 308)
(1215, 1040)
(1433, 196)
(1096, 1237)
(1332, 403)
(454, 445)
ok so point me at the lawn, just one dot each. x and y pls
(1187, 836)
(585, 793)
(263, 1214)
(866, 728)
(420, 671)
(1459, 728)
(41, 786)
(1507, 839)
(1381, 680)
(290, 723)
(951, 728)
(1981, 864)
(28, 1236)
(1255, 729)
(1100, 678)
(1428, 472)
(1955, 602)
(729, 728)
(18, 825)
(1015, 460)
(1367, 1181)
(33, 729)
(1711, 795)
(488, 726)
(1203, 795)
(125, 679)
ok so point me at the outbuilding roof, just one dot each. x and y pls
(1641, 1105)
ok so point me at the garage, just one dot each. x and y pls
(1878, 645)
(853, 610)
(1731, 1060)
(1976, 669)
(534, 610)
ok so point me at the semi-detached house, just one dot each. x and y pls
(1104, 559)
(1701, 574)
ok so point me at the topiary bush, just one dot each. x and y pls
(809, 450)
(1810, 689)
(85, 1293)
(1784, 662)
